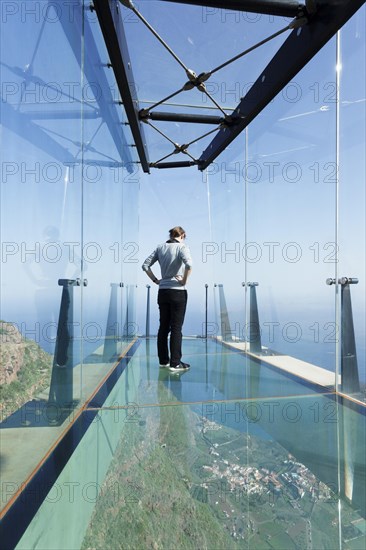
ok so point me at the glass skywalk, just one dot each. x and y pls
(281, 212)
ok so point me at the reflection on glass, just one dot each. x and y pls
(236, 467)
(61, 389)
(225, 328)
(66, 160)
(112, 329)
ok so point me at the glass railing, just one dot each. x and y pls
(69, 228)
(248, 338)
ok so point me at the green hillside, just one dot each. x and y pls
(25, 369)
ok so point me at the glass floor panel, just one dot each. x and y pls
(183, 479)
(226, 455)
(219, 372)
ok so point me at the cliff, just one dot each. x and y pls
(25, 368)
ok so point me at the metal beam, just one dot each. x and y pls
(286, 8)
(181, 117)
(179, 164)
(112, 28)
(301, 46)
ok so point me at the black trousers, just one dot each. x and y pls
(172, 307)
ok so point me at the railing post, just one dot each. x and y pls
(255, 343)
(112, 329)
(352, 477)
(349, 369)
(147, 330)
(226, 332)
(206, 309)
(130, 329)
(61, 389)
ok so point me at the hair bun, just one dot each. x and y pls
(177, 231)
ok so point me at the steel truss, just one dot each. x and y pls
(314, 24)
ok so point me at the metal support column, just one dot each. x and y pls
(130, 328)
(349, 367)
(255, 344)
(112, 329)
(61, 389)
(226, 331)
(147, 331)
(206, 309)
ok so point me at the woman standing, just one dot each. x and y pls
(175, 263)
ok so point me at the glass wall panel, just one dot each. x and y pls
(167, 199)
(107, 171)
(69, 193)
(130, 254)
(41, 97)
(291, 179)
(224, 251)
(352, 137)
(208, 205)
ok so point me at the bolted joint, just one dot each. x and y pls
(191, 75)
(203, 77)
(143, 114)
(188, 86)
(231, 120)
(180, 148)
(348, 281)
(69, 282)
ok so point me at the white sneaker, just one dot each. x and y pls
(162, 366)
(181, 367)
